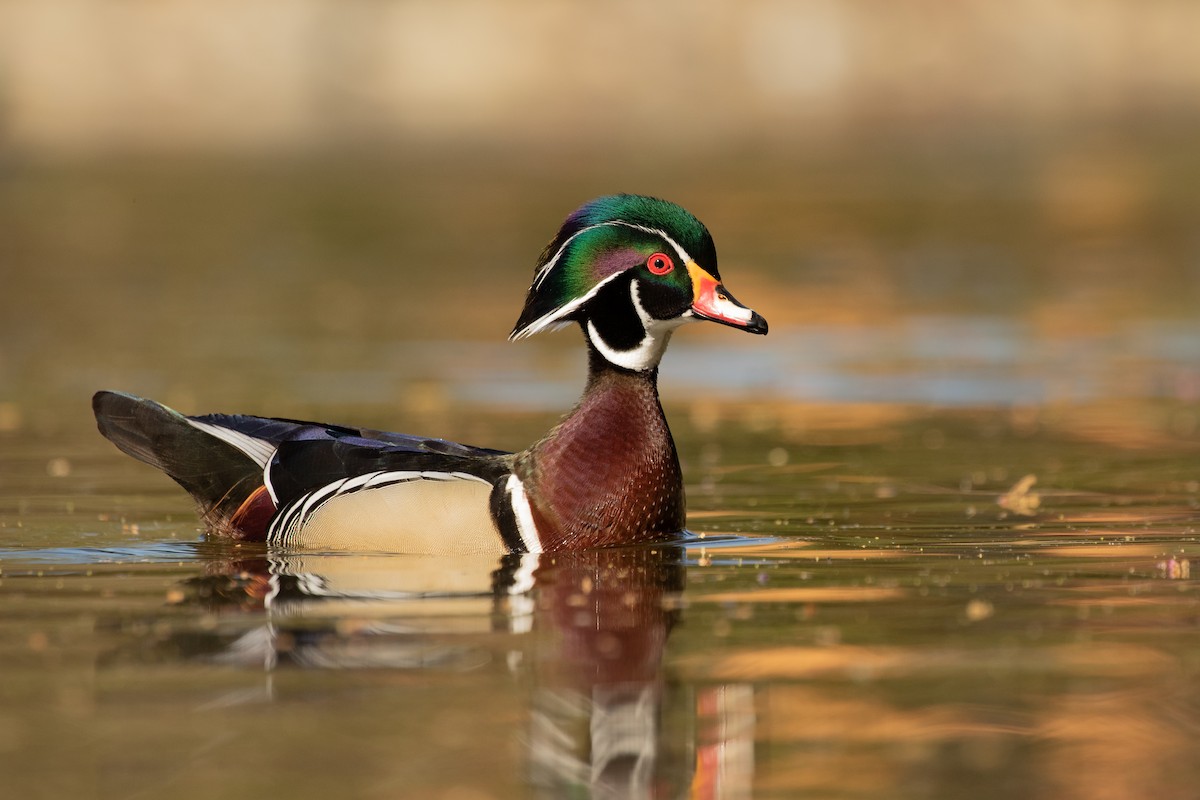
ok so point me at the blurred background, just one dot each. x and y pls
(311, 206)
(973, 226)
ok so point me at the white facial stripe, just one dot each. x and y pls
(552, 318)
(545, 270)
(678, 250)
(526, 527)
(546, 321)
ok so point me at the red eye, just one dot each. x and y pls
(660, 264)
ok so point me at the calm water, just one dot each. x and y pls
(895, 621)
(947, 543)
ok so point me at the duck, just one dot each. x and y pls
(628, 270)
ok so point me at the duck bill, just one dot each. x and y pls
(712, 302)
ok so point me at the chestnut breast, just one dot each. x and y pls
(608, 473)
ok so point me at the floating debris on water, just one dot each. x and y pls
(1175, 568)
(1020, 499)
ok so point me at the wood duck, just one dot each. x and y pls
(629, 270)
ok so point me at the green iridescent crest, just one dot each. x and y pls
(598, 242)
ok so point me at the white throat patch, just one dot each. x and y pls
(648, 352)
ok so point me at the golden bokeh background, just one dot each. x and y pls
(207, 198)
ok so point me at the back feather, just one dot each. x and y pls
(220, 459)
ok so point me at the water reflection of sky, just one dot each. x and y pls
(937, 360)
(143, 553)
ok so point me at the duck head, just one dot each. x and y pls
(630, 269)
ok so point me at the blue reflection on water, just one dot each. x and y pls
(934, 360)
(155, 552)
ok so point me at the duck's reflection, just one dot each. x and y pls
(589, 630)
(598, 705)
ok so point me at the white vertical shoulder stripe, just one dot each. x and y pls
(526, 527)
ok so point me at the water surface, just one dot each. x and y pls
(872, 632)
(947, 509)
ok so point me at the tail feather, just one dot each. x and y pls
(213, 470)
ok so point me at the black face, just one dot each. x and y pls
(664, 286)
(660, 286)
(613, 314)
